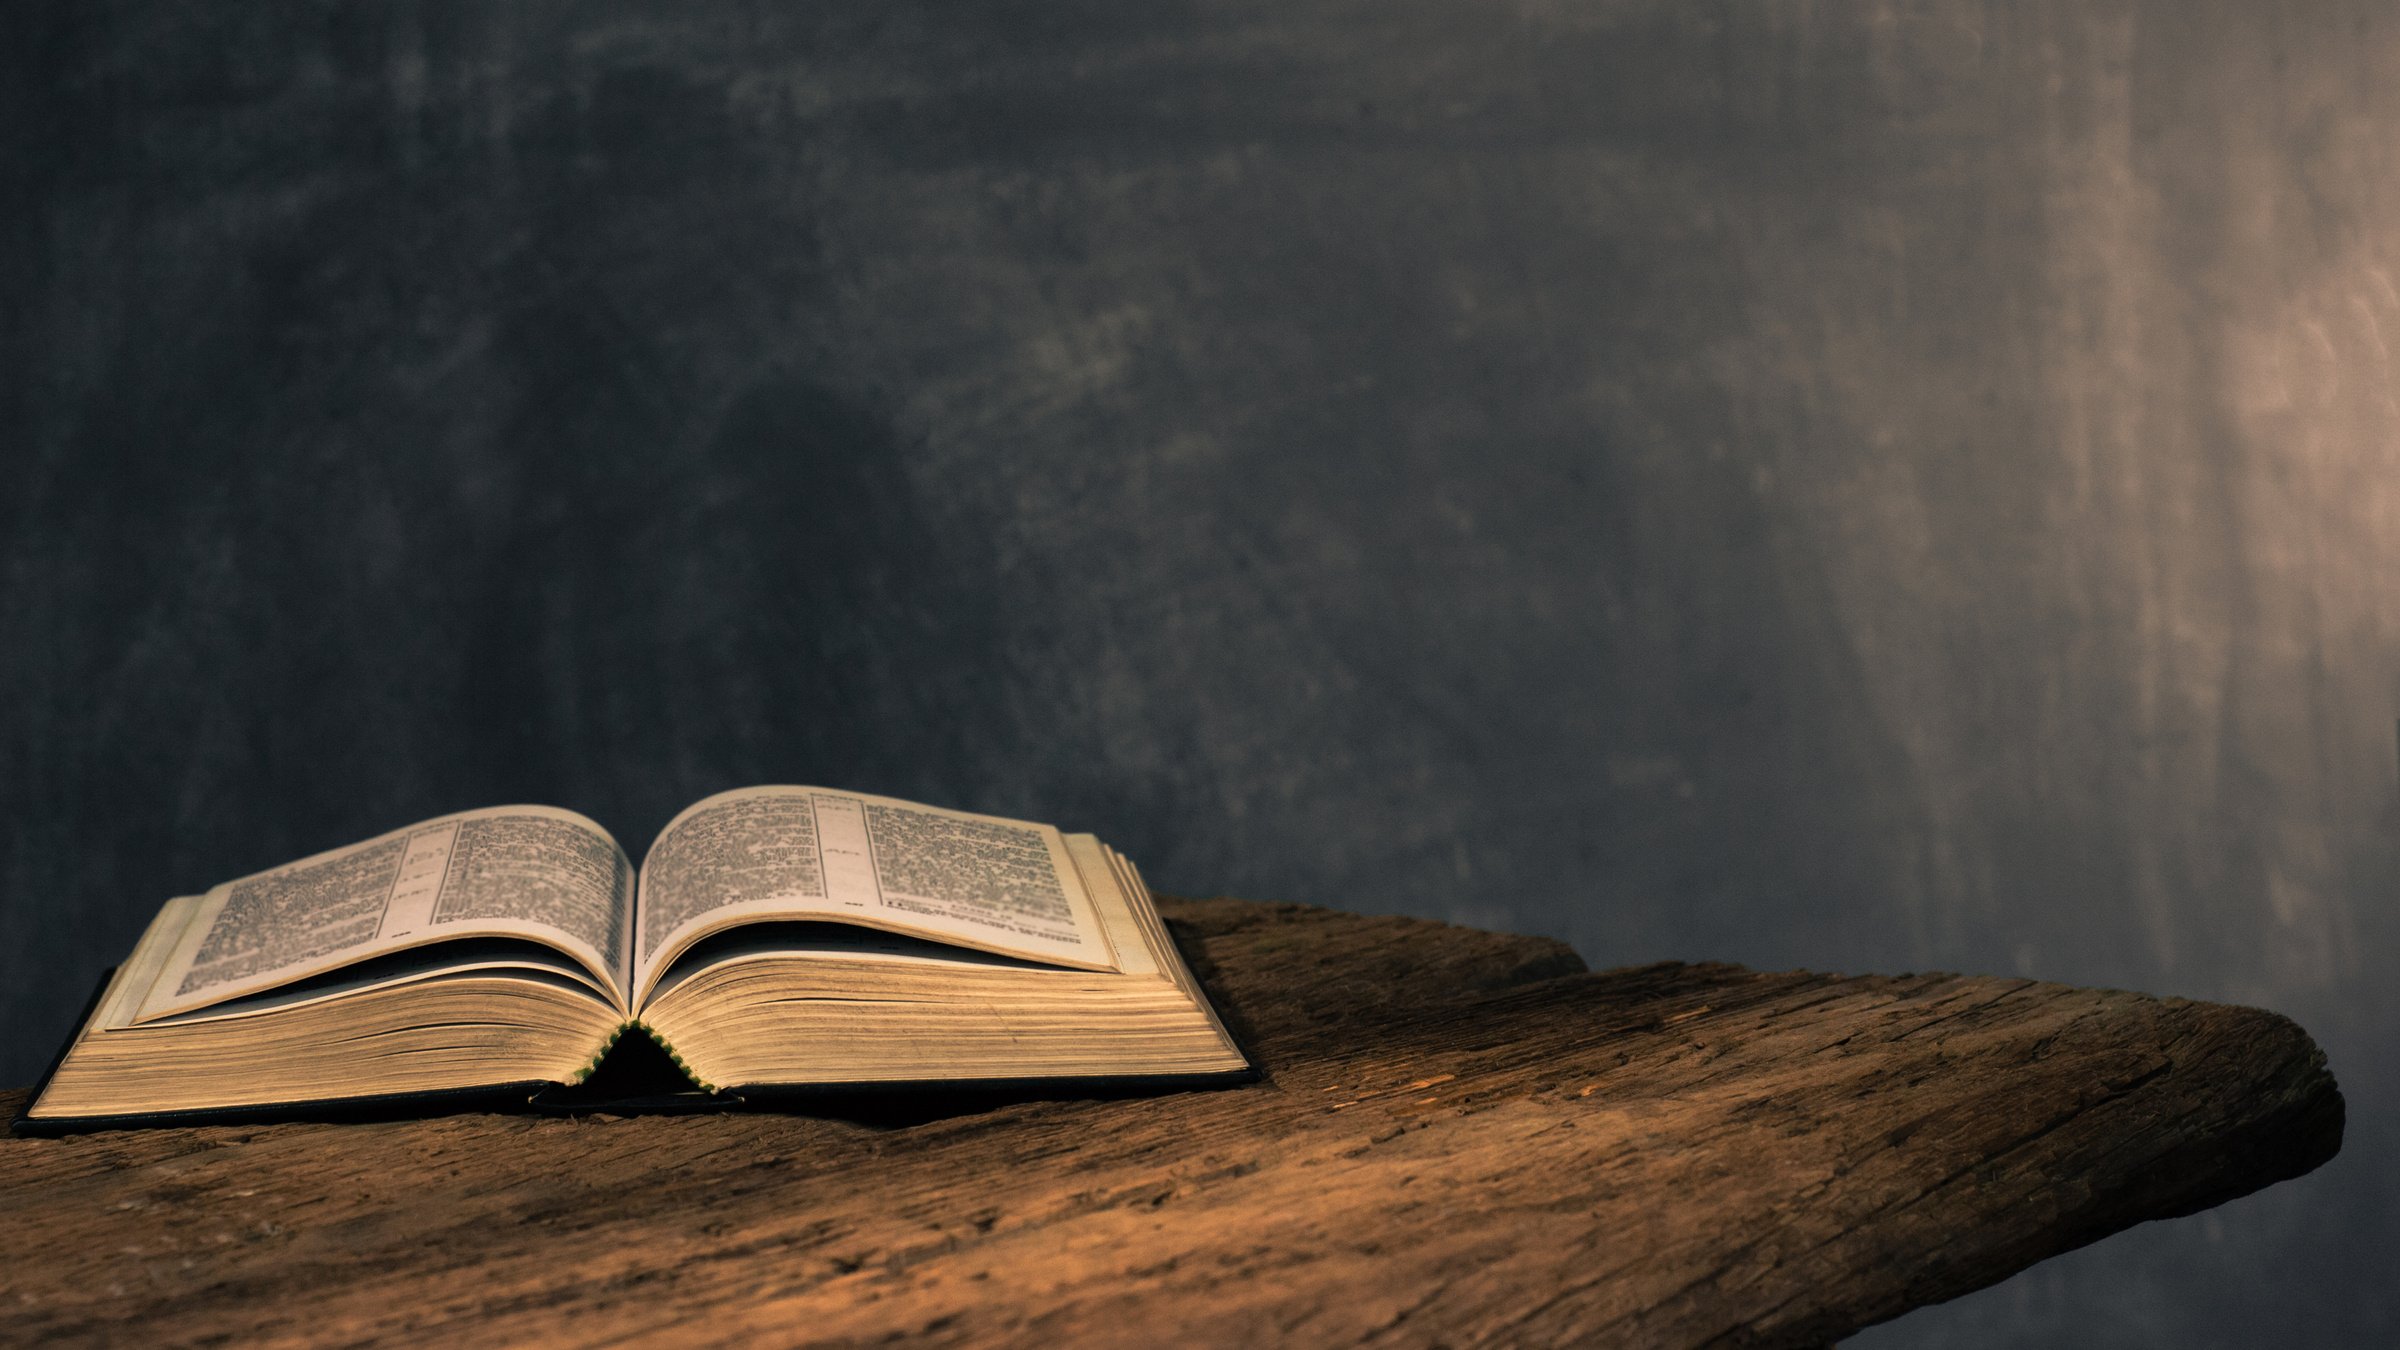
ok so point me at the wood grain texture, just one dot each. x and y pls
(1462, 1138)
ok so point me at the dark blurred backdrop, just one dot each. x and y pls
(1869, 486)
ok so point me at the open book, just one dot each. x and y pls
(775, 938)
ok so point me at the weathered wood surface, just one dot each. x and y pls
(1462, 1138)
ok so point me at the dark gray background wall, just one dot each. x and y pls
(1870, 486)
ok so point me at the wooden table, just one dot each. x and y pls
(1462, 1137)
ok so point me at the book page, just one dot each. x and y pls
(985, 882)
(511, 871)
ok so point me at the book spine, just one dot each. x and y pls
(672, 1053)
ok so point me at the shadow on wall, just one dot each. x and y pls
(767, 604)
